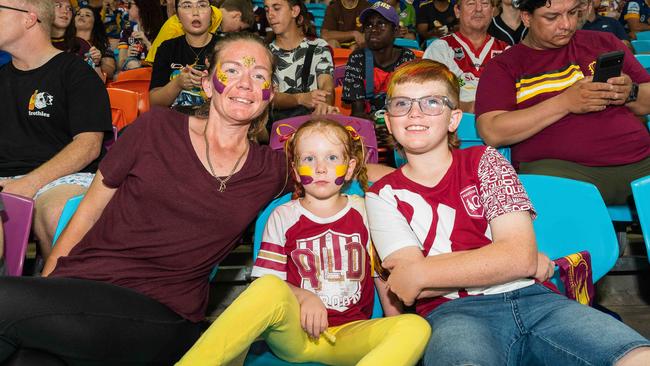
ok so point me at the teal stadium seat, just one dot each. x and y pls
(643, 36)
(407, 43)
(641, 46)
(641, 193)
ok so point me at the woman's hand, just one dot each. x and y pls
(313, 315)
(95, 55)
(142, 37)
(134, 51)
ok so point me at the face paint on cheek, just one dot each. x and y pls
(340, 171)
(306, 174)
(219, 80)
(266, 91)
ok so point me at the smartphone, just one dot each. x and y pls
(199, 67)
(608, 65)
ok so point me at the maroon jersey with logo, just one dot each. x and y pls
(327, 256)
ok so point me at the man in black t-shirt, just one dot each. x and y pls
(435, 18)
(55, 111)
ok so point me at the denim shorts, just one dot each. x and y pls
(528, 326)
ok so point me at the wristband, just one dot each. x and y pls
(634, 93)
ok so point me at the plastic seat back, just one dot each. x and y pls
(16, 224)
(143, 73)
(124, 106)
(418, 54)
(641, 193)
(468, 135)
(340, 56)
(643, 36)
(139, 86)
(641, 46)
(407, 43)
(68, 210)
(364, 128)
(571, 217)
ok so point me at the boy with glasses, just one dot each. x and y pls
(366, 90)
(454, 228)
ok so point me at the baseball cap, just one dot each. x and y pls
(384, 10)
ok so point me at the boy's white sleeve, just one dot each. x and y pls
(388, 227)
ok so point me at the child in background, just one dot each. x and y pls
(315, 295)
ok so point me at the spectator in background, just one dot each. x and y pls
(539, 97)
(181, 62)
(380, 26)
(589, 20)
(55, 112)
(64, 35)
(636, 16)
(91, 29)
(303, 76)
(145, 20)
(114, 16)
(507, 26)
(232, 16)
(341, 25)
(406, 13)
(467, 51)
(435, 19)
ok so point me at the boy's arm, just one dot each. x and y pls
(512, 255)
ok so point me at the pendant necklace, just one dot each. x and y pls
(222, 182)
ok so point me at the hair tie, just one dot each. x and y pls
(287, 136)
(353, 133)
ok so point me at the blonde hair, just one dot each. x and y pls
(424, 71)
(353, 148)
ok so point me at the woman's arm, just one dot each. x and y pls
(89, 211)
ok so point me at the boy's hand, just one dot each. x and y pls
(313, 315)
(403, 278)
(545, 268)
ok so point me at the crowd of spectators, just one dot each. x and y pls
(524, 68)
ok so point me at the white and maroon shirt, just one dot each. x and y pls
(458, 54)
(327, 256)
(452, 216)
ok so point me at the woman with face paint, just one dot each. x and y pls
(127, 282)
(315, 271)
(300, 91)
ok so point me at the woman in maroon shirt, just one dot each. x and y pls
(128, 279)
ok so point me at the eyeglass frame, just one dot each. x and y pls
(20, 10)
(445, 102)
(372, 27)
(193, 6)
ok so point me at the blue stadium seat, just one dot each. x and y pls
(641, 46)
(643, 36)
(641, 193)
(407, 43)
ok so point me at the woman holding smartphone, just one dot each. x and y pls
(180, 62)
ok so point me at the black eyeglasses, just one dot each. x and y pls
(16, 9)
(380, 26)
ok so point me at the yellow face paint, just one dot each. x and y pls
(220, 79)
(341, 171)
(248, 61)
(306, 174)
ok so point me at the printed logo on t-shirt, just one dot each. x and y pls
(592, 67)
(459, 54)
(493, 53)
(39, 101)
(472, 202)
(332, 265)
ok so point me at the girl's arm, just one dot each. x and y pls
(389, 302)
(313, 313)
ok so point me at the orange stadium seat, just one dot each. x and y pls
(143, 73)
(340, 56)
(124, 106)
(140, 86)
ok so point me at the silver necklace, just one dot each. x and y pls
(222, 182)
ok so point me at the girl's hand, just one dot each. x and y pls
(134, 51)
(95, 55)
(184, 79)
(313, 315)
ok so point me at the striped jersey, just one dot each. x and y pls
(327, 256)
(452, 216)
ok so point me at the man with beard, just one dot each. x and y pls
(367, 91)
(467, 51)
